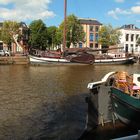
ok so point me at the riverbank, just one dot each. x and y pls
(14, 60)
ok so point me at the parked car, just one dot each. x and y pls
(4, 53)
(7, 53)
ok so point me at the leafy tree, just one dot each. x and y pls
(58, 36)
(108, 36)
(52, 40)
(74, 31)
(9, 28)
(38, 35)
(138, 41)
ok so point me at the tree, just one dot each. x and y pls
(52, 40)
(38, 35)
(108, 36)
(74, 31)
(9, 28)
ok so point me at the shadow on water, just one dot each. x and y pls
(65, 121)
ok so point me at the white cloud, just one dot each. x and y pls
(136, 9)
(120, 1)
(113, 14)
(118, 11)
(23, 10)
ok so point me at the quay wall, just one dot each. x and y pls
(14, 60)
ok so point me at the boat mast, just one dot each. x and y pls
(64, 30)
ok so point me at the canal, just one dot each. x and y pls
(47, 102)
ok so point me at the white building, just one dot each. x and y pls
(128, 40)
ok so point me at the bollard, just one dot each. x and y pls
(102, 119)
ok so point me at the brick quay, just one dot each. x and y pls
(14, 60)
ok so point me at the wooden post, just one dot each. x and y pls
(64, 30)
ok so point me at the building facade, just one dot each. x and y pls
(91, 29)
(128, 40)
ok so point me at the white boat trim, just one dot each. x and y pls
(113, 60)
(103, 80)
(34, 59)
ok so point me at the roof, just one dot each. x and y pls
(90, 21)
(129, 26)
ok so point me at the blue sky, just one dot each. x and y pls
(114, 12)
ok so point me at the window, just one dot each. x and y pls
(132, 49)
(1, 46)
(137, 36)
(96, 28)
(127, 37)
(132, 37)
(96, 45)
(126, 47)
(96, 37)
(91, 28)
(91, 45)
(80, 45)
(91, 37)
(136, 48)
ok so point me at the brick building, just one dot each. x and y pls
(91, 29)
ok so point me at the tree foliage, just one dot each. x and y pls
(38, 35)
(52, 38)
(108, 36)
(9, 28)
(74, 31)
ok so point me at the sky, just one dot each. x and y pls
(114, 12)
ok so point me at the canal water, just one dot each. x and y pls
(47, 102)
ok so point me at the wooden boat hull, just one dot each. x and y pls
(126, 108)
(129, 60)
(55, 61)
(43, 60)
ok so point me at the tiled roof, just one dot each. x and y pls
(90, 21)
